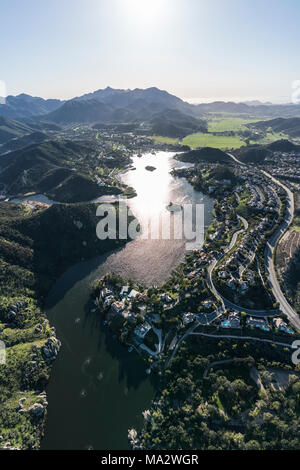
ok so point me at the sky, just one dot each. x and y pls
(200, 50)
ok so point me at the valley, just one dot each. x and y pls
(78, 315)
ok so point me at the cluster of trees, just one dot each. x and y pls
(222, 407)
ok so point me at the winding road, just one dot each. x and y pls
(285, 307)
(225, 302)
(248, 338)
(269, 252)
(215, 261)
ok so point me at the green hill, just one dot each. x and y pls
(172, 123)
(25, 141)
(75, 111)
(283, 146)
(10, 129)
(35, 248)
(207, 154)
(290, 126)
(255, 154)
(258, 153)
(61, 170)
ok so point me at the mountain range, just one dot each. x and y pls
(111, 105)
(25, 106)
(152, 108)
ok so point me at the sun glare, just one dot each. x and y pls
(145, 12)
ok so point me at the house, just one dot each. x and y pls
(126, 314)
(244, 287)
(192, 275)
(165, 298)
(208, 303)
(222, 274)
(234, 319)
(282, 326)
(188, 318)
(231, 283)
(106, 293)
(99, 181)
(108, 301)
(124, 291)
(260, 323)
(142, 297)
(215, 236)
(142, 330)
(133, 293)
(117, 307)
(142, 308)
(225, 323)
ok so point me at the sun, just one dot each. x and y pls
(145, 12)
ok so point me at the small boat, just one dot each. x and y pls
(174, 207)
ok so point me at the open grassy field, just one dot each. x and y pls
(210, 140)
(272, 137)
(165, 140)
(221, 124)
(235, 124)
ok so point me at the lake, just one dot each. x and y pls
(98, 389)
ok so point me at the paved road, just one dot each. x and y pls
(188, 332)
(216, 363)
(269, 262)
(285, 307)
(235, 159)
(249, 311)
(225, 302)
(213, 264)
(210, 335)
(285, 345)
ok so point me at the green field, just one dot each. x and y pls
(165, 140)
(210, 140)
(221, 124)
(272, 137)
(228, 124)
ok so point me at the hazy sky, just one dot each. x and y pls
(198, 49)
